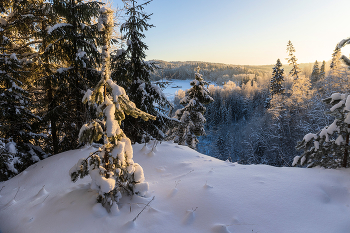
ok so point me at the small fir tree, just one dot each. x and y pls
(335, 62)
(277, 79)
(315, 75)
(329, 147)
(292, 60)
(320, 83)
(323, 70)
(111, 168)
(300, 91)
(191, 116)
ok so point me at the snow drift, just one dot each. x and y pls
(192, 193)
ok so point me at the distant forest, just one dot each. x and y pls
(246, 123)
(219, 72)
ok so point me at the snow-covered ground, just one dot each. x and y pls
(192, 193)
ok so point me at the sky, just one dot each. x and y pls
(245, 32)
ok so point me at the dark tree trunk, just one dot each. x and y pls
(346, 152)
(52, 118)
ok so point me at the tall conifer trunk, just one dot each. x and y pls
(50, 95)
(52, 117)
(346, 152)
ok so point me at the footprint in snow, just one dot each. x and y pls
(160, 169)
(129, 225)
(28, 219)
(235, 220)
(150, 154)
(190, 217)
(220, 228)
(173, 192)
(144, 148)
(10, 203)
(155, 149)
(153, 210)
(206, 186)
(185, 163)
(42, 192)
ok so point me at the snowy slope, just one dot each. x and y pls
(193, 193)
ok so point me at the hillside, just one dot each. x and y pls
(192, 193)
(213, 71)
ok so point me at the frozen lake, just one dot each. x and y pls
(174, 86)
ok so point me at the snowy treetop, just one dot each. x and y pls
(105, 19)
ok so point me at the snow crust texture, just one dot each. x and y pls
(193, 193)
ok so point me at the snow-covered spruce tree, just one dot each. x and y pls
(335, 62)
(111, 168)
(16, 120)
(71, 54)
(191, 116)
(277, 79)
(329, 148)
(323, 70)
(292, 60)
(133, 74)
(315, 75)
(320, 83)
(300, 91)
(337, 79)
(18, 138)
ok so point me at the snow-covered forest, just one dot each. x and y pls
(52, 52)
(255, 121)
(74, 80)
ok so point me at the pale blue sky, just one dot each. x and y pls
(245, 32)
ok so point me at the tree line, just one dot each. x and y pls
(265, 121)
